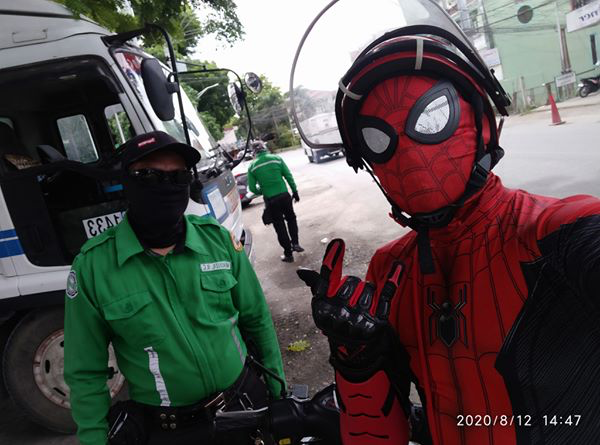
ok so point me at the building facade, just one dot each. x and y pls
(519, 39)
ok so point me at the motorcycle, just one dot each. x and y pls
(589, 85)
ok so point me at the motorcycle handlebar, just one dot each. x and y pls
(239, 421)
(287, 418)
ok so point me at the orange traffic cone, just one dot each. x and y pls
(556, 120)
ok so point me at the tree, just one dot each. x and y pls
(176, 16)
(213, 102)
(267, 110)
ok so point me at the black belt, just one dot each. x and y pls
(173, 417)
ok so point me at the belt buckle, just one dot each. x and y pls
(218, 403)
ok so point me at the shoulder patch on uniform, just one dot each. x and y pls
(237, 245)
(72, 285)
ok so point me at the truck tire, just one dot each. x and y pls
(33, 364)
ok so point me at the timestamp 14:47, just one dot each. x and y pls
(570, 420)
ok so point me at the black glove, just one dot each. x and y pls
(354, 317)
(295, 196)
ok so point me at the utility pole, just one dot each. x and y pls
(563, 64)
(465, 19)
(486, 26)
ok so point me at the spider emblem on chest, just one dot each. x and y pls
(447, 321)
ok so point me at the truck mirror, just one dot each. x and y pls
(158, 89)
(236, 97)
(253, 82)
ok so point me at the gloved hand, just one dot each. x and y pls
(295, 196)
(372, 367)
(353, 314)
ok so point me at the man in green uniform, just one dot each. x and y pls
(177, 297)
(265, 177)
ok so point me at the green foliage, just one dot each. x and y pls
(285, 137)
(267, 110)
(176, 16)
(215, 129)
(213, 101)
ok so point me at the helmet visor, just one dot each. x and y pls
(333, 41)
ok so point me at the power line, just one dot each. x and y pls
(516, 15)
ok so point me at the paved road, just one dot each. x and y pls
(336, 202)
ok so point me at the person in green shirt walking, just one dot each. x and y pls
(178, 299)
(266, 177)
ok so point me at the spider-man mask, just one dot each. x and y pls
(420, 136)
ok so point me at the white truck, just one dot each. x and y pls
(323, 129)
(72, 93)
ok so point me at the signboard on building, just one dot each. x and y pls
(565, 79)
(583, 17)
(490, 56)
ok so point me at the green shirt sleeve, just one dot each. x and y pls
(287, 174)
(86, 360)
(255, 317)
(252, 185)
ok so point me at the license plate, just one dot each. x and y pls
(98, 224)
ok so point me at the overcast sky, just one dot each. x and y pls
(273, 30)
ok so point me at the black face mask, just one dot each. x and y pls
(156, 211)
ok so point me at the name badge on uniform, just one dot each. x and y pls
(221, 265)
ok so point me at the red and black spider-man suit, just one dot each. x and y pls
(508, 323)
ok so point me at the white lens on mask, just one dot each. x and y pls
(434, 117)
(376, 140)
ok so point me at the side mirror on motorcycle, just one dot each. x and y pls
(236, 97)
(253, 82)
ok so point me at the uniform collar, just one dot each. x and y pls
(128, 244)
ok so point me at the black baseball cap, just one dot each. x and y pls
(143, 144)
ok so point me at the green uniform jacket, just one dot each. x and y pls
(266, 173)
(175, 321)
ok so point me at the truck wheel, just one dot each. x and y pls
(33, 365)
(310, 159)
(316, 157)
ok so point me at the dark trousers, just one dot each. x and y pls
(280, 207)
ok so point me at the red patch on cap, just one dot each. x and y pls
(146, 142)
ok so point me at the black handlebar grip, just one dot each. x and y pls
(240, 421)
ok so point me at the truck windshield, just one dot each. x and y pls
(131, 63)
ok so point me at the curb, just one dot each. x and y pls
(562, 107)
